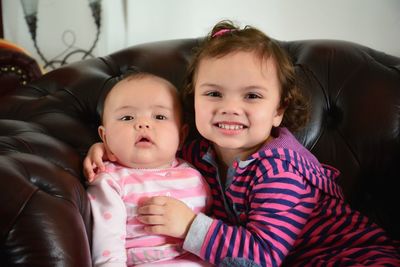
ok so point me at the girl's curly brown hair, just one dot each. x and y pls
(226, 38)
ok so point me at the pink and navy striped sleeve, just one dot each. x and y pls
(282, 207)
(278, 212)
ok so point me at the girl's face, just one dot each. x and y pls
(237, 102)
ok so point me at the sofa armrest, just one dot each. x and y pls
(49, 214)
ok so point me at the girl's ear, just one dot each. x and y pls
(278, 117)
(183, 134)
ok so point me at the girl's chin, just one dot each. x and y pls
(228, 146)
(239, 148)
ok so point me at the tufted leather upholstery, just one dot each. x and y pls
(47, 126)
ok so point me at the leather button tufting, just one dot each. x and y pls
(333, 117)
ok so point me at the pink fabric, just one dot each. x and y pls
(115, 195)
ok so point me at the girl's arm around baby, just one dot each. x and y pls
(277, 215)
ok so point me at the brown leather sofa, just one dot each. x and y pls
(47, 127)
(17, 67)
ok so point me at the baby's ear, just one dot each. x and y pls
(183, 134)
(102, 133)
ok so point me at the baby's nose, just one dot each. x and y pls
(142, 125)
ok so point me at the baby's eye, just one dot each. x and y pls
(213, 94)
(253, 96)
(160, 117)
(126, 118)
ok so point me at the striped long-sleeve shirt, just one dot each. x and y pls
(281, 207)
(118, 238)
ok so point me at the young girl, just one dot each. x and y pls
(141, 129)
(274, 203)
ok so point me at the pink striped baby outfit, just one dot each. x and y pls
(118, 238)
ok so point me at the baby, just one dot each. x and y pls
(142, 129)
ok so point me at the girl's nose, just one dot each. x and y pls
(230, 112)
(230, 108)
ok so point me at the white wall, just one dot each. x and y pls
(374, 23)
(64, 26)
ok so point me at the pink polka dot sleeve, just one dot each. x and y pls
(109, 222)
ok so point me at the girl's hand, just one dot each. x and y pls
(166, 216)
(93, 161)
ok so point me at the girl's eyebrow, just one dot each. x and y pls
(209, 85)
(256, 87)
(247, 88)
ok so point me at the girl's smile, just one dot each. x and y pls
(230, 128)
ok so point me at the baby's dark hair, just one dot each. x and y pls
(226, 38)
(130, 74)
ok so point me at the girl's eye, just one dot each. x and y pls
(126, 118)
(161, 117)
(213, 94)
(252, 96)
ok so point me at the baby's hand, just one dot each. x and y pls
(93, 161)
(166, 216)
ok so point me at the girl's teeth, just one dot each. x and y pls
(230, 127)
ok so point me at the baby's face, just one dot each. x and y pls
(141, 123)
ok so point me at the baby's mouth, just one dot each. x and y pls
(143, 140)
